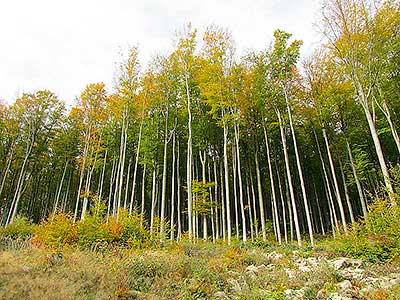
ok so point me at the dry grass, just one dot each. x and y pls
(180, 271)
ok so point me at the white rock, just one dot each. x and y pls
(344, 285)
(312, 261)
(356, 263)
(252, 268)
(220, 295)
(290, 273)
(274, 256)
(352, 274)
(304, 268)
(395, 281)
(340, 263)
(336, 296)
(234, 285)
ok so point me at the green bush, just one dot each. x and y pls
(20, 228)
(94, 231)
(57, 231)
(377, 238)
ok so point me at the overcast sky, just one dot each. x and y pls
(64, 45)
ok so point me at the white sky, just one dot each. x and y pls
(66, 44)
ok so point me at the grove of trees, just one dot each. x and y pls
(204, 144)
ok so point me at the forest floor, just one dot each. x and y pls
(193, 271)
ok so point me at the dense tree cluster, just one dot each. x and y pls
(216, 147)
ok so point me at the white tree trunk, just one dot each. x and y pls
(289, 181)
(271, 176)
(358, 184)
(239, 172)
(260, 198)
(302, 185)
(338, 197)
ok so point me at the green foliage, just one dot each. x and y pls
(143, 272)
(57, 231)
(20, 228)
(377, 238)
(94, 231)
(134, 234)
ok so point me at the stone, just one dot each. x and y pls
(252, 268)
(220, 295)
(356, 263)
(321, 294)
(340, 263)
(395, 281)
(304, 268)
(344, 285)
(290, 273)
(336, 296)
(263, 268)
(233, 273)
(274, 256)
(351, 274)
(270, 267)
(234, 285)
(312, 261)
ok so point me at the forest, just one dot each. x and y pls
(205, 145)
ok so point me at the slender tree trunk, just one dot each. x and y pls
(172, 228)
(17, 194)
(178, 182)
(335, 223)
(153, 200)
(302, 185)
(127, 184)
(122, 158)
(358, 184)
(86, 149)
(289, 181)
(282, 203)
(346, 193)
(189, 162)
(110, 192)
(216, 199)
(271, 176)
(235, 191)
(253, 196)
(203, 160)
(87, 189)
(164, 179)
(142, 211)
(239, 172)
(102, 176)
(223, 210)
(226, 172)
(338, 197)
(250, 208)
(210, 191)
(60, 188)
(386, 112)
(4, 177)
(378, 147)
(260, 197)
(136, 165)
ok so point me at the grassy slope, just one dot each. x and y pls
(176, 272)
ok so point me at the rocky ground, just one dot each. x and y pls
(355, 278)
(193, 272)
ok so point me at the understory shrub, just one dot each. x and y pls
(94, 231)
(57, 231)
(377, 237)
(20, 228)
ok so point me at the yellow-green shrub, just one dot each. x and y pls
(57, 231)
(378, 236)
(20, 228)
